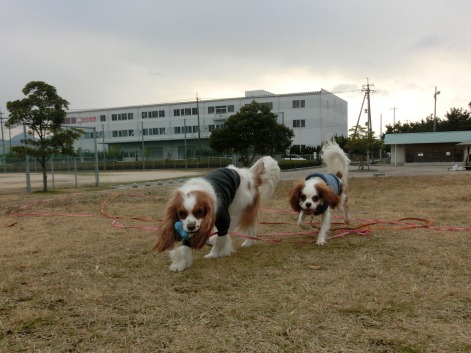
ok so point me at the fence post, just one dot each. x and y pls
(52, 171)
(75, 170)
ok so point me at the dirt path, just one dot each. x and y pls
(16, 182)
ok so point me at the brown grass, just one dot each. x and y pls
(78, 284)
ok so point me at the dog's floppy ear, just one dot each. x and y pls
(200, 238)
(327, 193)
(167, 234)
(295, 195)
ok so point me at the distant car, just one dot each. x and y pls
(294, 157)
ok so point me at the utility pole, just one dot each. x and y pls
(380, 135)
(142, 147)
(435, 109)
(3, 144)
(394, 128)
(394, 116)
(368, 89)
(198, 114)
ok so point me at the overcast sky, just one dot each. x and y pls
(108, 53)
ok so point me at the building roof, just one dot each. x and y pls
(248, 95)
(427, 137)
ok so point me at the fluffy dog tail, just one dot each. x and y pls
(266, 173)
(335, 159)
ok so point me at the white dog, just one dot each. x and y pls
(320, 193)
(228, 199)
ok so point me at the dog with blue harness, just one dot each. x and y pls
(320, 193)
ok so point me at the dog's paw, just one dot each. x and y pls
(247, 243)
(211, 255)
(347, 219)
(304, 225)
(177, 267)
(212, 240)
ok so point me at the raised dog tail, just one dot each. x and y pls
(266, 173)
(335, 159)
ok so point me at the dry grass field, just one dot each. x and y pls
(78, 274)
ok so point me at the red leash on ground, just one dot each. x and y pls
(363, 229)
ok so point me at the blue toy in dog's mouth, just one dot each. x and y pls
(180, 230)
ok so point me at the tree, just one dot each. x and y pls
(43, 113)
(457, 119)
(252, 131)
(362, 142)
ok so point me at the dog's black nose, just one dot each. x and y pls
(191, 226)
(308, 204)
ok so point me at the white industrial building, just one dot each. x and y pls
(166, 130)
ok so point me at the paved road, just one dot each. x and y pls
(388, 170)
(16, 182)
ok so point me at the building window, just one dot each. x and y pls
(210, 110)
(186, 111)
(176, 112)
(99, 134)
(144, 115)
(176, 129)
(299, 123)
(222, 109)
(269, 104)
(154, 131)
(161, 113)
(123, 116)
(194, 111)
(122, 133)
(102, 117)
(299, 103)
(230, 108)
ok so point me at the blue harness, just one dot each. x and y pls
(333, 181)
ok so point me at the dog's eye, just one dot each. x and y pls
(315, 198)
(182, 214)
(198, 213)
(303, 197)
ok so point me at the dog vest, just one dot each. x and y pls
(333, 181)
(225, 182)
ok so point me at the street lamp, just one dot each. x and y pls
(435, 109)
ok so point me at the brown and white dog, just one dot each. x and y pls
(319, 194)
(226, 199)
